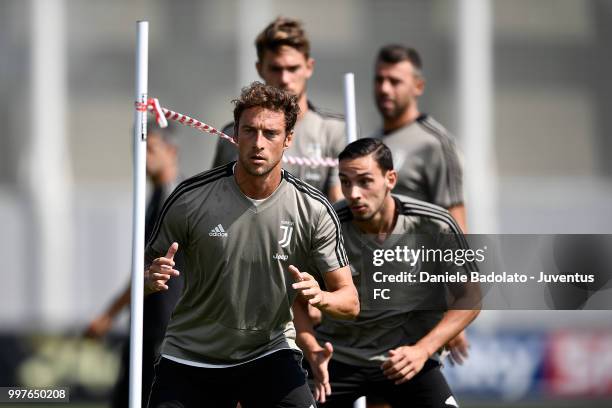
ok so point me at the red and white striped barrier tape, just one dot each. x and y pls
(161, 114)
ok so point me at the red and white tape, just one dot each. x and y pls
(161, 114)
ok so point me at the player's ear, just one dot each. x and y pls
(258, 67)
(419, 85)
(310, 64)
(288, 140)
(391, 179)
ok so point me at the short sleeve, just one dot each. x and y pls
(459, 295)
(171, 226)
(328, 252)
(445, 175)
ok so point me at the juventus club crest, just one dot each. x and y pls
(286, 232)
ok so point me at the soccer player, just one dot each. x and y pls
(284, 61)
(390, 354)
(163, 172)
(426, 157)
(253, 237)
(425, 154)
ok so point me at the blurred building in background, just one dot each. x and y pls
(67, 79)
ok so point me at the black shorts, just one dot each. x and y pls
(276, 380)
(427, 389)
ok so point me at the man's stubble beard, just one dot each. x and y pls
(397, 111)
(265, 170)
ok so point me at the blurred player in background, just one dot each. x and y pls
(284, 61)
(426, 157)
(425, 154)
(243, 228)
(391, 356)
(163, 172)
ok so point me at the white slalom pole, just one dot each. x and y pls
(350, 115)
(138, 222)
(350, 110)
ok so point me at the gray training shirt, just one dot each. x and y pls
(366, 341)
(316, 135)
(236, 304)
(427, 161)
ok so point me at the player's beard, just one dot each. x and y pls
(395, 112)
(365, 217)
(368, 216)
(259, 171)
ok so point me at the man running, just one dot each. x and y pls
(254, 237)
(392, 353)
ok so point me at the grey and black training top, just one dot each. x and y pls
(367, 340)
(236, 305)
(427, 161)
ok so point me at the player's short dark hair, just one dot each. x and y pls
(268, 97)
(395, 53)
(366, 146)
(282, 31)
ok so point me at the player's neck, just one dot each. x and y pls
(410, 115)
(257, 187)
(383, 223)
(303, 104)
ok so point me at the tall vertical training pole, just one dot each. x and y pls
(138, 220)
(476, 108)
(350, 115)
(350, 110)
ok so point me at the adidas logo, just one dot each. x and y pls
(218, 231)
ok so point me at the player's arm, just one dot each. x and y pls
(102, 323)
(458, 348)
(406, 361)
(318, 357)
(458, 213)
(464, 305)
(339, 301)
(451, 325)
(170, 230)
(328, 256)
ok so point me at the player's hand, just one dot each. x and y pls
(307, 286)
(99, 326)
(160, 271)
(458, 348)
(319, 360)
(404, 363)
